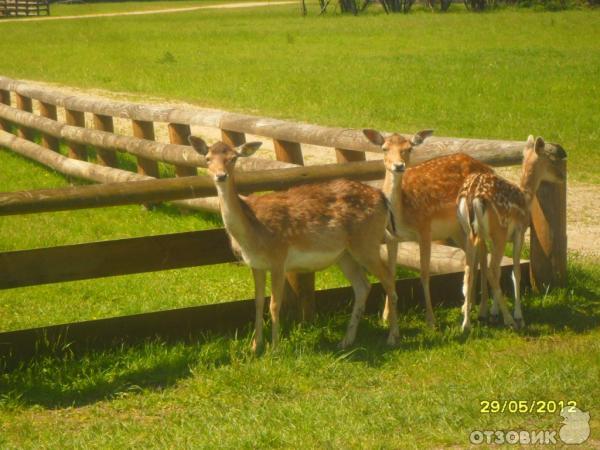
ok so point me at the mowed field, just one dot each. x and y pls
(500, 75)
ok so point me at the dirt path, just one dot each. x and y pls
(154, 11)
(583, 209)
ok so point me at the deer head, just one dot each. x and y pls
(221, 157)
(543, 161)
(396, 148)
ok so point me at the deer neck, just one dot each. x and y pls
(392, 189)
(530, 182)
(235, 218)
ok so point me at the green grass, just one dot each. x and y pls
(501, 75)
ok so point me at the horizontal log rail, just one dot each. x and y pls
(158, 190)
(183, 324)
(498, 152)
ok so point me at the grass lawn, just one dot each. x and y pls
(501, 75)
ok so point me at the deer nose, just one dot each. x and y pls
(398, 167)
(222, 176)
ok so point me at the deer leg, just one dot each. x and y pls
(425, 255)
(259, 299)
(517, 245)
(392, 249)
(494, 278)
(469, 282)
(360, 285)
(483, 266)
(277, 286)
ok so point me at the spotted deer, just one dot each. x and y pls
(423, 198)
(494, 209)
(304, 229)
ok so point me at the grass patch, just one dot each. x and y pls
(504, 75)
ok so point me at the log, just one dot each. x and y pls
(48, 111)
(106, 157)
(549, 236)
(153, 190)
(77, 119)
(4, 100)
(145, 130)
(494, 152)
(345, 156)
(444, 258)
(169, 153)
(178, 134)
(24, 104)
(289, 152)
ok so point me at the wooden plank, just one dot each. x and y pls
(106, 157)
(549, 235)
(77, 119)
(24, 104)
(145, 130)
(178, 134)
(189, 323)
(232, 138)
(4, 100)
(299, 294)
(48, 111)
(116, 257)
(346, 156)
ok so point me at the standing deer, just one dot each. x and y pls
(423, 200)
(304, 229)
(494, 209)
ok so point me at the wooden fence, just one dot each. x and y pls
(29, 267)
(16, 8)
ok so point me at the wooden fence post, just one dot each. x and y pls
(5, 99)
(549, 236)
(345, 156)
(106, 157)
(178, 134)
(24, 104)
(232, 138)
(48, 110)
(299, 295)
(77, 119)
(145, 130)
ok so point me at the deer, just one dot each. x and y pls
(423, 200)
(492, 208)
(304, 229)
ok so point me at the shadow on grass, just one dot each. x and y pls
(70, 380)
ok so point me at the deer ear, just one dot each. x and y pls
(374, 136)
(539, 145)
(420, 136)
(530, 141)
(198, 144)
(248, 148)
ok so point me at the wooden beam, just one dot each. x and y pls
(178, 134)
(48, 111)
(24, 104)
(194, 322)
(77, 119)
(4, 100)
(299, 294)
(346, 156)
(116, 257)
(549, 235)
(145, 130)
(106, 157)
